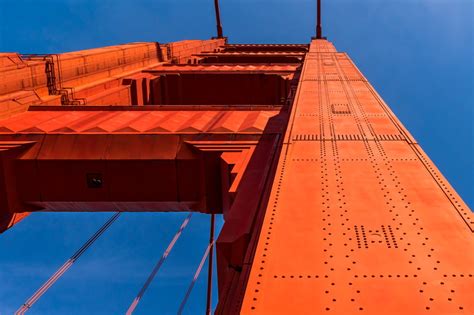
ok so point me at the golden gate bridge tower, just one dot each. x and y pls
(330, 205)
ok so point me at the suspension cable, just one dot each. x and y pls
(210, 266)
(152, 275)
(218, 20)
(196, 275)
(58, 274)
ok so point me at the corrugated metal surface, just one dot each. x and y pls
(223, 68)
(137, 122)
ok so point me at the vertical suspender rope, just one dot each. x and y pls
(319, 27)
(196, 275)
(210, 266)
(218, 20)
(58, 274)
(152, 275)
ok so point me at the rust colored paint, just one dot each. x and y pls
(95, 74)
(100, 121)
(134, 155)
(203, 68)
(359, 219)
(330, 205)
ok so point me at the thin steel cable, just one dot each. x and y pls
(196, 275)
(152, 275)
(52, 280)
(210, 267)
(218, 20)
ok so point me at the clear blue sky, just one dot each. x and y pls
(417, 53)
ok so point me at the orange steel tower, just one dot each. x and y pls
(330, 204)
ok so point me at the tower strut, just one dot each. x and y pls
(65, 267)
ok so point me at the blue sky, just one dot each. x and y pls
(418, 54)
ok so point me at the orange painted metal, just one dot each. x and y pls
(266, 47)
(100, 121)
(330, 205)
(135, 154)
(200, 68)
(94, 74)
(359, 219)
